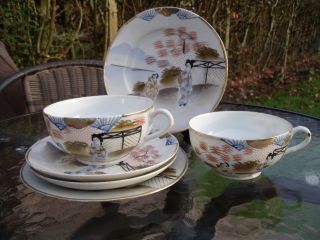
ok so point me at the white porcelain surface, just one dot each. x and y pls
(242, 125)
(98, 106)
(172, 56)
(104, 185)
(102, 129)
(44, 157)
(240, 144)
(156, 184)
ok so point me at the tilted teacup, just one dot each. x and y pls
(239, 144)
(102, 129)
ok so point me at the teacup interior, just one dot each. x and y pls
(242, 125)
(98, 106)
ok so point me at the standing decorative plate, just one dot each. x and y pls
(156, 184)
(172, 56)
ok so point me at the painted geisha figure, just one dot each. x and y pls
(185, 84)
(97, 151)
(151, 88)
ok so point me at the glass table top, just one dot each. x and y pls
(284, 203)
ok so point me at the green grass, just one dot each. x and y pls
(302, 96)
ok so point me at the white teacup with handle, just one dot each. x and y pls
(240, 144)
(102, 129)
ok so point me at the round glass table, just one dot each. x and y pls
(283, 203)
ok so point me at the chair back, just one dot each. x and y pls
(55, 81)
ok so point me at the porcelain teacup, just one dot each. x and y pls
(239, 144)
(102, 129)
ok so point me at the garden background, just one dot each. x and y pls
(273, 46)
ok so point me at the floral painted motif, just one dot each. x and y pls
(224, 156)
(179, 41)
(239, 159)
(146, 155)
(138, 121)
(203, 146)
(138, 158)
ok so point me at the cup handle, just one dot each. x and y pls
(167, 114)
(304, 143)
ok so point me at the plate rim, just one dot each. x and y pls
(158, 170)
(152, 191)
(203, 20)
(106, 177)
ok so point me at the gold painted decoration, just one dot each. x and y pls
(259, 144)
(128, 124)
(286, 142)
(206, 53)
(76, 147)
(79, 123)
(246, 167)
(170, 75)
(57, 134)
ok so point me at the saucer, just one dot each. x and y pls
(104, 185)
(172, 56)
(156, 184)
(45, 158)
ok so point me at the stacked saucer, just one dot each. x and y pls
(149, 167)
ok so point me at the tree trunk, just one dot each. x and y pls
(113, 19)
(51, 30)
(287, 41)
(227, 32)
(269, 34)
(106, 29)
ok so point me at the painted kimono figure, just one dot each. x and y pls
(152, 88)
(185, 84)
(97, 151)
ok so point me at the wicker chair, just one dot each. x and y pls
(51, 82)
